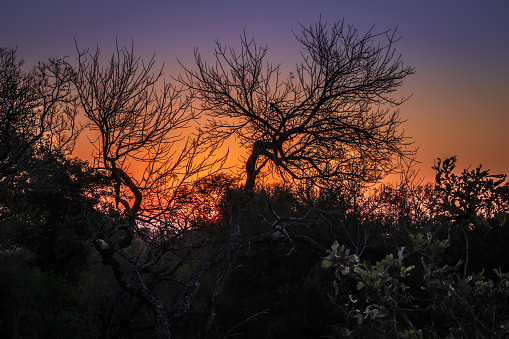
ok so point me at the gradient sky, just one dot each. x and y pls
(460, 50)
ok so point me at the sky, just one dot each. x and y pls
(460, 49)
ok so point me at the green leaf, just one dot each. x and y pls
(326, 263)
(360, 286)
(336, 287)
(407, 269)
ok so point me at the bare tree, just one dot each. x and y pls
(140, 120)
(329, 121)
(36, 111)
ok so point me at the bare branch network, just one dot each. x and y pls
(36, 110)
(331, 119)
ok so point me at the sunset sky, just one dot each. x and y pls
(460, 49)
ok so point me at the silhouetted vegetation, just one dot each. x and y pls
(103, 251)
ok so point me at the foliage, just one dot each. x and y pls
(474, 204)
(473, 198)
(38, 304)
(53, 213)
(423, 291)
(204, 203)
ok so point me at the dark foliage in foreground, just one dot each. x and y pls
(402, 269)
(445, 278)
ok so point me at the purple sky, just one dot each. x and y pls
(460, 50)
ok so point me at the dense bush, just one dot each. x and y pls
(447, 279)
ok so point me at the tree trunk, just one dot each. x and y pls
(238, 204)
(162, 325)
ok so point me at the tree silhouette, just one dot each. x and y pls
(139, 120)
(35, 111)
(330, 121)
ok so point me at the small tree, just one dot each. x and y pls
(470, 202)
(36, 112)
(52, 212)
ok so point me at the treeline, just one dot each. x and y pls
(413, 260)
